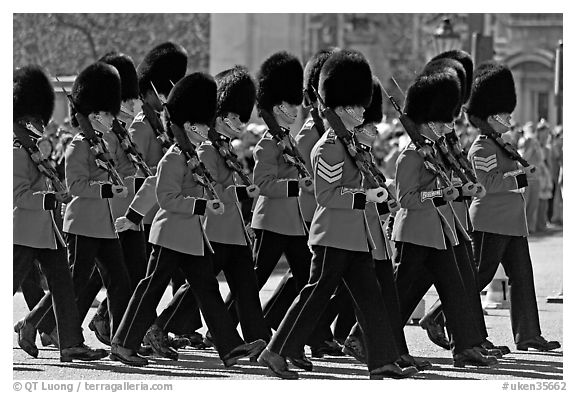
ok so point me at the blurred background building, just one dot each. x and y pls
(397, 45)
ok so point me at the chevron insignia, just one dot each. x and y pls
(485, 164)
(330, 173)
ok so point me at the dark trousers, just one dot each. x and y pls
(469, 274)
(106, 254)
(61, 291)
(31, 287)
(329, 267)
(179, 324)
(236, 263)
(385, 275)
(417, 269)
(134, 250)
(268, 248)
(199, 272)
(281, 300)
(490, 250)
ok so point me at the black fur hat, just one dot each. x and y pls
(33, 93)
(492, 92)
(163, 65)
(193, 99)
(433, 97)
(444, 64)
(280, 78)
(346, 80)
(465, 59)
(312, 70)
(236, 93)
(373, 113)
(97, 88)
(128, 76)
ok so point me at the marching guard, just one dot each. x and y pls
(499, 219)
(177, 234)
(35, 234)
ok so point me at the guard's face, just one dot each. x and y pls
(233, 126)
(102, 121)
(288, 112)
(500, 122)
(127, 111)
(367, 134)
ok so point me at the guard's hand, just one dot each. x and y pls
(119, 191)
(63, 197)
(216, 206)
(377, 195)
(480, 191)
(450, 193)
(253, 190)
(529, 169)
(469, 189)
(123, 224)
(306, 184)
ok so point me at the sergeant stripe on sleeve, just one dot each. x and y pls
(485, 164)
(330, 173)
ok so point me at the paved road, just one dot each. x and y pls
(204, 364)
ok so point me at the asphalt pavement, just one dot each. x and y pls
(546, 251)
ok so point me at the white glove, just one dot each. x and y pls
(469, 189)
(306, 184)
(450, 193)
(119, 191)
(377, 195)
(123, 224)
(253, 190)
(216, 206)
(480, 191)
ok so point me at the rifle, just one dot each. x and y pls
(454, 144)
(231, 159)
(508, 148)
(45, 165)
(362, 158)
(315, 112)
(289, 151)
(97, 146)
(431, 162)
(199, 171)
(130, 148)
(164, 137)
(446, 153)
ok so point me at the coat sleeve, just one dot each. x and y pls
(23, 195)
(211, 159)
(77, 170)
(266, 172)
(408, 188)
(305, 143)
(143, 201)
(484, 159)
(328, 164)
(171, 171)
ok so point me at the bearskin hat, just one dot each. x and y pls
(492, 92)
(128, 76)
(346, 80)
(280, 78)
(312, 70)
(434, 96)
(465, 59)
(373, 113)
(193, 99)
(164, 65)
(97, 88)
(236, 93)
(33, 93)
(444, 64)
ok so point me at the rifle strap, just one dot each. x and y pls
(317, 121)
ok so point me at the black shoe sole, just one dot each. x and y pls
(301, 365)
(472, 363)
(126, 362)
(100, 337)
(67, 359)
(271, 372)
(536, 347)
(349, 352)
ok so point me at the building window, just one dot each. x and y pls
(542, 105)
